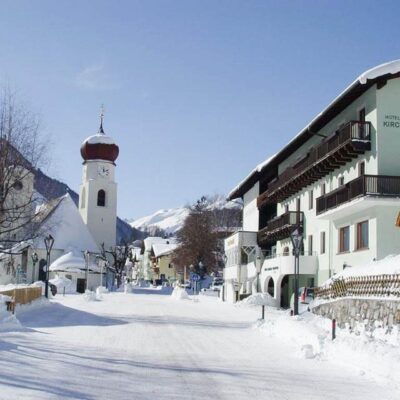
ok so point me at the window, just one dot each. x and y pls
(322, 243)
(341, 180)
(362, 235)
(83, 195)
(361, 118)
(310, 199)
(101, 198)
(361, 115)
(323, 189)
(361, 168)
(286, 208)
(298, 204)
(344, 239)
(286, 251)
(310, 245)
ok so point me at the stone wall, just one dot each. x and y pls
(352, 311)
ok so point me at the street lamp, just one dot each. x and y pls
(35, 259)
(86, 255)
(258, 270)
(48, 242)
(297, 241)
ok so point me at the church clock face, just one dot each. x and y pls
(103, 170)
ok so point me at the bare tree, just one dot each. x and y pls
(22, 150)
(119, 255)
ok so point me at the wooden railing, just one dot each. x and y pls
(376, 185)
(353, 131)
(363, 286)
(280, 227)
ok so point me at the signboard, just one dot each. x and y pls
(195, 277)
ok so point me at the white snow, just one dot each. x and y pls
(146, 346)
(62, 284)
(392, 67)
(390, 265)
(99, 138)
(162, 249)
(258, 299)
(67, 227)
(73, 262)
(179, 293)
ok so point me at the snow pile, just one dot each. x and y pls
(43, 286)
(8, 321)
(128, 288)
(101, 290)
(63, 283)
(371, 350)
(90, 296)
(390, 265)
(258, 299)
(179, 294)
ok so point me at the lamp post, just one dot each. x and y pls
(35, 259)
(48, 242)
(86, 255)
(258, 270)
(297, 241)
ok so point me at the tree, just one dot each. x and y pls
(197, 239)
(22, 151)
(119, 256)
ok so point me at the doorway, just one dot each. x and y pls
(80, 285)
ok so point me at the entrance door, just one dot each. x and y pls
(285, 298)
(80, 285)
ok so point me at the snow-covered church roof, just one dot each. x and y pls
(66, 226)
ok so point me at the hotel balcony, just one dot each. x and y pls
(334, 151)
(377, 186)
(280, 227)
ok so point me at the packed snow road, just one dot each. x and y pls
(149, 346)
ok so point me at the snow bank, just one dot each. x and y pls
(8, 321)
(90, 296)
(372, 351)
(101, 290)
(390, 265)
(179, 294)
(63, 283)
(258, 299)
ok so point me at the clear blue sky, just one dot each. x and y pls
(196, 92)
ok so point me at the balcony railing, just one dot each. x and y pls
(376, 185)
(280, 227)
(334, 151)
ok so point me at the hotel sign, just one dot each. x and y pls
(391, 121)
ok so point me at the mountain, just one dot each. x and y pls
(170, 221)
(51, 188)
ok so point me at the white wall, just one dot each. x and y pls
(250, 210)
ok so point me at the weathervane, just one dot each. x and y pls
(101, 119)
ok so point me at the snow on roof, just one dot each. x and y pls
(68, 229)
(136, 252)
(73, 262)
(99, 138)
(151, 240)
(391, 67)
(162, 249)
(390, 265)
(258, 168)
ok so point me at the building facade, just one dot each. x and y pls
(338, 181)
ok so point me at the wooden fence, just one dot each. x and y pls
(22, 295)
(363, 286)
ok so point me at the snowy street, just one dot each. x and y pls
(148, 346)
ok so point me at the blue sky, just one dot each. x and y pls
(196, 92)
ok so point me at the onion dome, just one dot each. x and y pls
(99, 147)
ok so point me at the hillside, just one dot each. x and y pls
(171, 220)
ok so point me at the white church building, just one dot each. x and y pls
(337, 180)
(75, 230)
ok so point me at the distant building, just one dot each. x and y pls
(338, 181)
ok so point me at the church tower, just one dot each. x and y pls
(98, 191)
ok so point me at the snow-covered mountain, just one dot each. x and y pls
(171, 220)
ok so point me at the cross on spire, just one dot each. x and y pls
(101, 119)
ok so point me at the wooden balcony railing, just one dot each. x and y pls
(334, 151)
(280, 227)
(376, 185)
